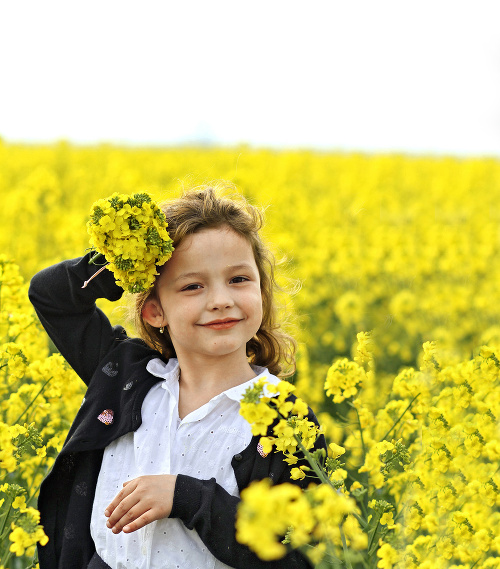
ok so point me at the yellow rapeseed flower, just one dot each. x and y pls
(130, 232)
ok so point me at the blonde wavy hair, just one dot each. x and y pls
(207, 208)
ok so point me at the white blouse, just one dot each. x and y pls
(201, 445)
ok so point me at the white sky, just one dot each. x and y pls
(370, 75)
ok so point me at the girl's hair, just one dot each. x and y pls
(203, 208)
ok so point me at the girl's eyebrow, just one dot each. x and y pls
(242, 266)
(199, 274)
(191, 275)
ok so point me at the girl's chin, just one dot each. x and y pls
(224, 351)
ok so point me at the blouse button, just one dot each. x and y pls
(238, 457)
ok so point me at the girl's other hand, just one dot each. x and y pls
(142, 501)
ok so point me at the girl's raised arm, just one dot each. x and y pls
(79, 330)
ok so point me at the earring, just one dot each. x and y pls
(161, 329)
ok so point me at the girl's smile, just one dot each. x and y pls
(221, 324)
(208, 296)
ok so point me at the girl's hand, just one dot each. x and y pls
(142, 501)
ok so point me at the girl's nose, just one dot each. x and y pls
(220, 298)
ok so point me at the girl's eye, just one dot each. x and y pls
(239, 279)
(192, 287)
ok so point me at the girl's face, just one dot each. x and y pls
(209, 296)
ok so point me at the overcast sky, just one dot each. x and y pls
(371, 75)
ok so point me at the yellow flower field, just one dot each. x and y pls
(406, 248)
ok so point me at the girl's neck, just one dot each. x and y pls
(214, 375)
(198, 386)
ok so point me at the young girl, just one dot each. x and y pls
(152, 468)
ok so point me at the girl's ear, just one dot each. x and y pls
(152, 313)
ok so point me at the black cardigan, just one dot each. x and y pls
(113, 366)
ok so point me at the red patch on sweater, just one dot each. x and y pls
(106, 416)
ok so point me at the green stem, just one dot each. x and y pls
(400, 417)
(344, 546)
(373, 534)
(363, 524)
(34, 562)
(362, 438)
(92, 259)
(360, 431)
(360, 502)
(352, 466)
(330, 550)
(5, 521)
(32, 401)
(319, 471)
(365, 513)
(45, 470)
(5, 560)
(310, 459)
(364, 499)
(7, 554)
(365, 564)
(33, 496)
(344, 419)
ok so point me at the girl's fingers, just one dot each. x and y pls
(129, 519)
(146, 518)
(118, 498)
(140, 502)
(123, 511)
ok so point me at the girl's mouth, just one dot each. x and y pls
(221, 324)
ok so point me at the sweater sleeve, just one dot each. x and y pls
(79, 330)
(205, 506)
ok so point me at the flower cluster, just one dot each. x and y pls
(270, 517)
(415, 482)
(131, 233)
(343, 380)
(34, 418)
(25, 529)
(266, 514)
(452, 501)
(265, 404)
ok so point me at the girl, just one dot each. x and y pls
(152, 468)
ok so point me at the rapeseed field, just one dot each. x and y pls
(391, 285)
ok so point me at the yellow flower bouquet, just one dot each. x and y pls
(131, 233)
